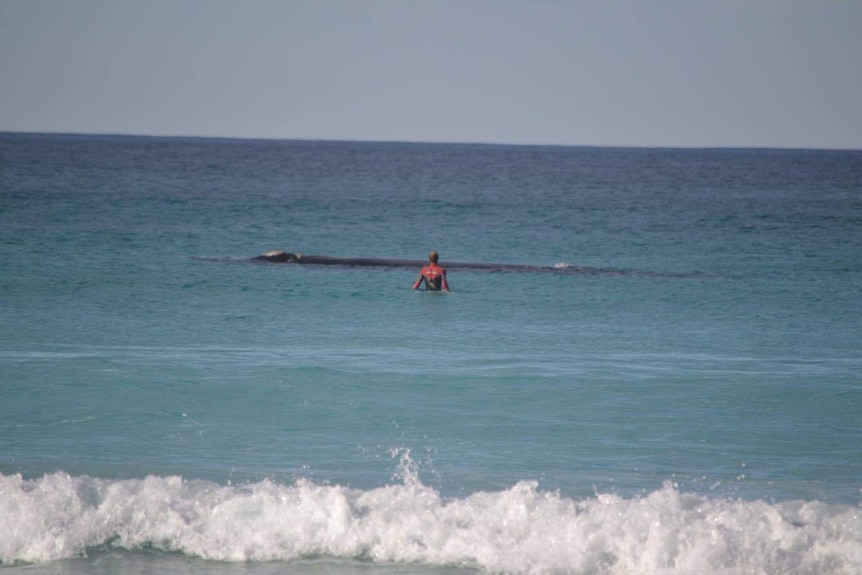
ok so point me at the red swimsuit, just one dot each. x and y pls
(434, 276)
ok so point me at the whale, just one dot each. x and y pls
(299, 258)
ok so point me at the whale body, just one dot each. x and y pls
(282, 257)
(279, 256)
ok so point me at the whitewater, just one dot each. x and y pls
(519, 530)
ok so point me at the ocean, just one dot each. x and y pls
(675, 389)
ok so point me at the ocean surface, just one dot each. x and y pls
(681, 395)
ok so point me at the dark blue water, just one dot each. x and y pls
(684, 398)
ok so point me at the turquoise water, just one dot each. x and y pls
(688, 403)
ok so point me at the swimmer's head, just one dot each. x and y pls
(433, 256)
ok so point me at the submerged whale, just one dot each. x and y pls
(282, 257)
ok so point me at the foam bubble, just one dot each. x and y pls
(519, 530)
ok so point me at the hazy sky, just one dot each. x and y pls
(774, 73)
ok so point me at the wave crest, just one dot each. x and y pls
(518, 530)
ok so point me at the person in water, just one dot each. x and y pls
(433, 275)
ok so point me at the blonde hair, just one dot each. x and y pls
(433, 256)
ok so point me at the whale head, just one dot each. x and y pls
(279, 256)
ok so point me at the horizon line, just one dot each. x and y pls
(421, 142)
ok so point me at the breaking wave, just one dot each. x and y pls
(519, 530)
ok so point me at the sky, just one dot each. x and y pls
(655, 73)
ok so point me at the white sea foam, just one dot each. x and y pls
(519, 530)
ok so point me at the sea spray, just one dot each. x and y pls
(518, 530)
